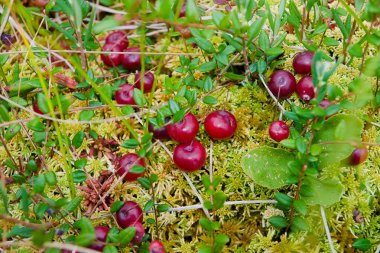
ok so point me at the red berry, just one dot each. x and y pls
(183, 10)
(126, 162)
(110, 59)
(282, 83)
(278, 130)
(302, 62)
(36, 108)
(160, 133)
(119, 38)
(148, 81)
(139, 233)
(359, 155)
(101, 236)
(129, 214)
(124, 95)
(156, 247)
(189, 157)
(131, 61)
(220, 125)
(305, 88)
(185, 130)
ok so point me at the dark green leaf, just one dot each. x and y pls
(79, 176)
(86, 115)
(139, 97)
(278, 221)
(116, 206)
(210, 100)
(126, 235)
(362, 244)
(163, 207)
(78, 139)
(130, 143)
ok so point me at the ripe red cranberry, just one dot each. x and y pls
(139, 233)
(124, 95)
(101, 233)
(282, 83)
(129, 214)
(278, 130)
(160, 133)
(302, 62)
(305, 89)
(148, 81)
(189, 157)
(110, 59)
(156, 247)
(126, 162)
(220, 125)
(359, 155)
(36, 108)
(131, 61)
(184, 131)
(119, 38)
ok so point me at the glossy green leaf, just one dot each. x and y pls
(362, 244)
(278, 221)
(325, 192)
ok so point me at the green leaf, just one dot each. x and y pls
(116, 206)
(78, 139)
(144, 182)
(139, 97)
(86, 115)
(137, 169)
(12, 131)
(362, 244)
(205, 249)
(36, 125)
(220, 241)
(79, 176)
(267, 166)
(207, 66)
(219, 198)
(255, 29)
(210, 100)
(206, 224)
(278, 221)
(192, 11)
(130, 143)
(173, 106)
(79, 164)
(106, 24)
(300, 206)
(39, 183)
(355, 50)
(330, 42)
(50, 178)
(299, 224)
(205, 45)
(163, 207)
(126, 236)
(284, 202)
(334, 153)
(23, 232)
(4, 114)
(110, 249)
(325, 192)
(362, 89)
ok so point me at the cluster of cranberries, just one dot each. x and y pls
(190, 155)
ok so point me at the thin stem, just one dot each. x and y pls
(327, 230)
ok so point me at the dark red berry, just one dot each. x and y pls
(305, 89)
(148, 81)
(302, 62)
(124, 95)
(189, 157)
(282, 83)
(36, 108)
(278, 130)
(110, 59)
(129, 214)
(359, 155)
(119, 38)
(156, 247)
(139, 233)
(131, 61)
(185, 130)
(101, 233)
(126, 162)
(220, 125)
(160, 133)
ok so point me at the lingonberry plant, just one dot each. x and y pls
(189, 126)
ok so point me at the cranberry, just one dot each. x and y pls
(36, 108)
(359, 155)
(189, 157)
(160, 133)
(220, 125)
(182, 13)
(185, 130)
(148, 81)
(282, 83)
(119, 38)
(132, 61)
(126, 162)
(305, 88)
(124, 95)
(278, 130)
(139, 233)
(111, 60)
(101, 233)
(302, 62)
(156, 247)
(129, 214)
